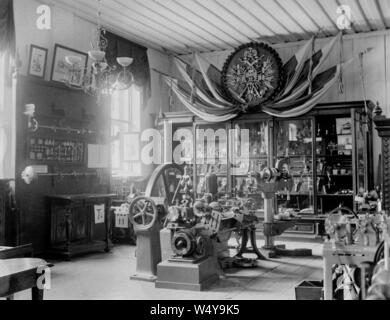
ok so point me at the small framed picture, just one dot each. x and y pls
(37, 61)
(69, 66)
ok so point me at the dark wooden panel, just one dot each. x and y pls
(2, 215)
(56, 105)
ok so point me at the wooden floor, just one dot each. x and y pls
(106, 276)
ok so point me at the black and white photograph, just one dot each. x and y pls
(195, 157)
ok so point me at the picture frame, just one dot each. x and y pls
(60, 67)
(37, 61)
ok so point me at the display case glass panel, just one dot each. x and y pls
(250, 153)
(294, 157)
(361, 155)
(211, 150)
(334, 147)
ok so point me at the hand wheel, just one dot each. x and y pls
(143, 213)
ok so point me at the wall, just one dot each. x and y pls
(376, 71)
(66, 29)
(72, 31)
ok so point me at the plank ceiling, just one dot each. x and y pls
(184, 26)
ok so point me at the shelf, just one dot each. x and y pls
(333, 156)
(296, 194)
(296, 156)
(335, 195)
(335, 175)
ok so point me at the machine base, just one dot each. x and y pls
(280, 250)
(143, 277)
(186, 275)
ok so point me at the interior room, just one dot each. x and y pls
(194, 150)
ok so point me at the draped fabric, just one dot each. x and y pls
(200, 90)
(120, 47)
(7, 107)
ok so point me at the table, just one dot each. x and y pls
(21, 274)
(16, 252)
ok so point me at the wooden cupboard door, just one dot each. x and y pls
(98, 231)
(2, 219)
(81, 221)
(60, 221)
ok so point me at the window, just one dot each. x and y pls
(125, 118)
(7, 122)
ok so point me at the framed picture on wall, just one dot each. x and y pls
(37, 61)
(69, 65)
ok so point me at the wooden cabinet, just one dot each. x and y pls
(79, 223)
(326, 154)
(2, 215)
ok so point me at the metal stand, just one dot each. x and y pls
(148, 254)
(272, 229)
(249, 233)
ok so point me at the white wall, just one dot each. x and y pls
(67, 29)
(72, 31)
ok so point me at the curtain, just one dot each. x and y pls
(7, 108)
(120, 47)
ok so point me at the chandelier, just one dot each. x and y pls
(101, 78)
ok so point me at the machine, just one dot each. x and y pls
(147, 214)
(354, 247)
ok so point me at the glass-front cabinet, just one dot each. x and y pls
(211, 157)
(325, 158)
(249, 154)
(294, 158)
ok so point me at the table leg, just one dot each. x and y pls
(328, 282)
(37, 294)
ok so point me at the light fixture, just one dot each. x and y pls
(101, 78)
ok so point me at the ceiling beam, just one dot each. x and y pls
(149, 18)
(292, 35)
(362, 12)
(326, 14)
(223, 20)
(183, 3)
(276, 36)
(226, 9)
(192, 12)
(117, 27)
(380, 13)
(116, 15)
(218, 47)
(320, 29)
(307, 33)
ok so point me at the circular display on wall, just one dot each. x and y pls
(253, 74)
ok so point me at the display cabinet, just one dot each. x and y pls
(325, 157)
